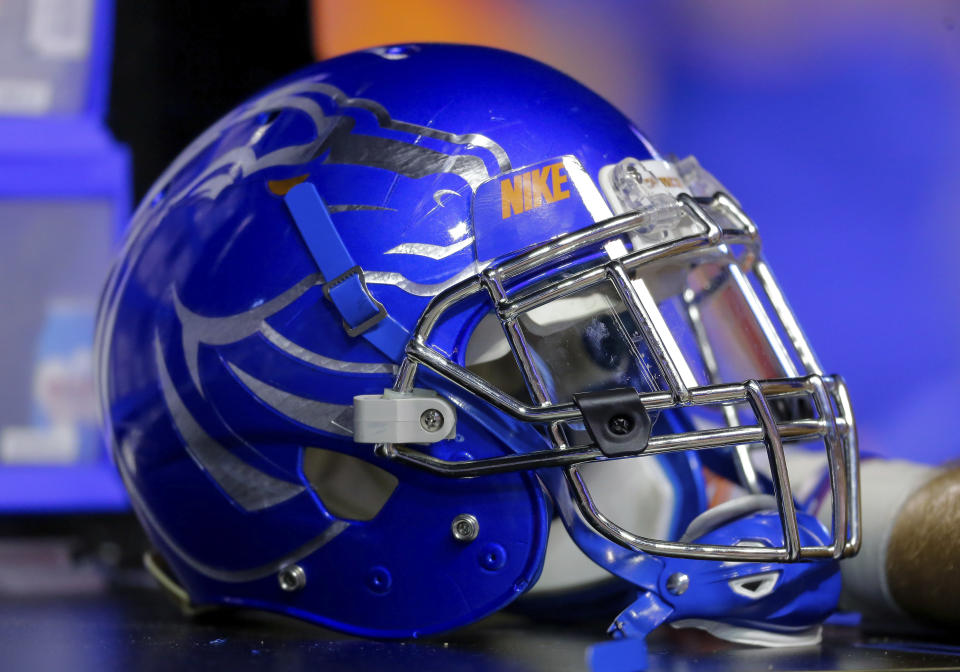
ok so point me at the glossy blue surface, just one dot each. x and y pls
(799, 595)
(804, 593)
(223, 369)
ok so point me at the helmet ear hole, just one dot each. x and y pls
(348, 487)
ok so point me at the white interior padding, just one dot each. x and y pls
(740, 634)
(713, 518)
(635, 493)
(564, 312)
(487, 342)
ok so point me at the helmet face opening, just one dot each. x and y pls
(671, 300)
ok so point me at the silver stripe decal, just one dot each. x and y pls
(384, 120)
(242, 161)
(440, 193)
(324, 362)
(421, 289)
(322, 415)
(430, 251)
(231, 328)
(231, 575)
(403, 158)
(350, 207)
(249, 487)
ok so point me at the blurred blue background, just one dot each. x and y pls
(836, 125)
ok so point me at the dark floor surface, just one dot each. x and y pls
(135, 628)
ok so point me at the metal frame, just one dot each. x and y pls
(834, 422)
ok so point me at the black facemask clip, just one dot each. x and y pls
(616, 420)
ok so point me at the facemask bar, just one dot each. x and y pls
(834, 424)
(746, 473)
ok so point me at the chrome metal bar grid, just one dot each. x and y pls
(834, 423)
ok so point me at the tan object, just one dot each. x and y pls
(923, 558)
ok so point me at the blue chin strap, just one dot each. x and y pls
(628, 651)
(345, 286)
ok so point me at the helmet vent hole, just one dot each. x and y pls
(348, 487)
(755, 586)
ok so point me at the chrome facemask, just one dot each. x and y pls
(667, 306)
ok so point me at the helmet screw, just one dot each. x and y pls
(379, 580)
(292, 578)
(678, 583)
(621, 425)
(465, 527)
(431, 420)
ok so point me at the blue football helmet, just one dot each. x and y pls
(390, 325)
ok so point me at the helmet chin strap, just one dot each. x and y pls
(345, 286)
(659, 578)
(639, 494)
(640, 569)
(762, 635)
(758, 636)
(628, 650)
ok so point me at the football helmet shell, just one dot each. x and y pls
(307, 281)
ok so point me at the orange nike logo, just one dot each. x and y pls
(531, 189)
